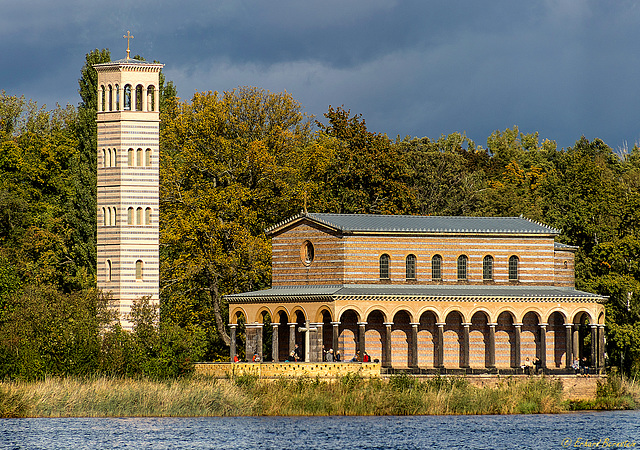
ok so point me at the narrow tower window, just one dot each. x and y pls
(130, 216)
(127, 97)
(139, 97)
(147, 157)
(108, 268)
(117, 97)
(139, 157)
(139, 270)
(139, 217)
(147, 216)
(110, 98)
(130, 157)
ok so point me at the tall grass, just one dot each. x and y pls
(248, 395)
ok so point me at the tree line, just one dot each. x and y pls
(234, 163)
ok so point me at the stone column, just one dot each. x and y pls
(292, 336)
(414, 345)
(492, 346)
(576, 341)
(543, 345)
(259, 328)
(249, 340)
(386, 356)
(569, 346)
(336, 337)
(361, 339)
(144, 99)
(319, 342)
(439, 360)
(516, 343)
(601, 345)
(464, 364)
(232, 346)
(120, 95)
(275, 355)
(594, 346)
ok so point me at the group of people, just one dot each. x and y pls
(581, 366)
(532, 366)
(327, 355)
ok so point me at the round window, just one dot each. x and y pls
(307, 253)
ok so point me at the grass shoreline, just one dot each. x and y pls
(249, 396)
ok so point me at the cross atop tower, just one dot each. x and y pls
(128, 37)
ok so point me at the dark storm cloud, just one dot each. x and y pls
(421, 68)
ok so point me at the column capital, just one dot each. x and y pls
(440, 324)
(292, 324)
(335, 324)
(317, 325)
(388, 324)
(594, 325)
(517, 325)
(275, 325)
(466, 325)
(600, 325)
(254, 325)
(568, 325)
(543, 325)
(414, 324)
(233, 325)
(362, 324)
(492, 324)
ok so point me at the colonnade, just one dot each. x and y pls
(453, 343)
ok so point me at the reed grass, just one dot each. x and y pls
(247, 395)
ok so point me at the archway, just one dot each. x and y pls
(556, 341)
(427, 340)
(529, 339)
(401, 340)
(582, 341)
(478, 341)
(348, 336)
(453, 340)
(505, 341)
(374, 335)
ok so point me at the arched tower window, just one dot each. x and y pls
(151, 98)
(127, 97)
(436, 267)
(114, 215)
(130, 157)
(110, 98)
(107, 221)
(103, 94)
(104, 217)
(139, 270)
(513, 268)
(147, 157)
(384, 267)
(139, 216)
(130, 216)
(139, 97)
(117, 97)
(487, 268)
(108, 157)
(462, 267)
(139, 157)
(147, 216)
(108, 269)
(411, 267)
(104, 158)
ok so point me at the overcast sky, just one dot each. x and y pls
(562, 68)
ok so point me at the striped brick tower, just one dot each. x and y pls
(128, 182)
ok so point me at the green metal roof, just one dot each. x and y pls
(375, 223)
(416, 292)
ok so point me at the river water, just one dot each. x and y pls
(545, 431)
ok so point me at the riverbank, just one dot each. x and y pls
(248, 395)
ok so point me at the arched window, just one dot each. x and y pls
(127, 97)
(113, 216)
(139, 97)
(147, 157)
(151, 98)
(104, 158)
(147, 216)
(117, 97)
(384, 267)
(487, 268)
(114, 160)
(108, 162)
(130, 216)
(513, 268)
(411, 267)
(107, 220)
(110, 98)
(139, 216)
(139, 157)
(108, 268)
(436, 267)
(130, 157)
(462, 267)
(103, 94)
(307, 253)
(104, 217)
(139, 270)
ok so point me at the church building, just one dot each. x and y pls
(422, 292)
(128, 181)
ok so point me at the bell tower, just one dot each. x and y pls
(128, 124)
